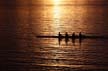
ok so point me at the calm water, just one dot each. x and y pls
(25, 52)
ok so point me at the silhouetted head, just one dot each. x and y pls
(79, 33)
(73, 32)
(66, 33)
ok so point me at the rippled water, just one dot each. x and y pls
(35, 54)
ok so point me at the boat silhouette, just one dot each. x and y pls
(73, 37)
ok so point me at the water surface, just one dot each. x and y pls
(49, 18)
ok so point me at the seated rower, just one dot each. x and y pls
(73, 35)
(66, 35)
(59, 35)
(80, 35)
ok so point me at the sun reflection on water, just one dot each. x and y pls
(56, 12)
(56, 2)
(57, 16)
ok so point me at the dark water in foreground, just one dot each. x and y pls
(22, 51)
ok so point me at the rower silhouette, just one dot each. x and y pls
(73, 35)
(59, 37)
(66, 37)
(80, 38)
(73, 38)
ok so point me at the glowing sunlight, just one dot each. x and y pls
(56, 2)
